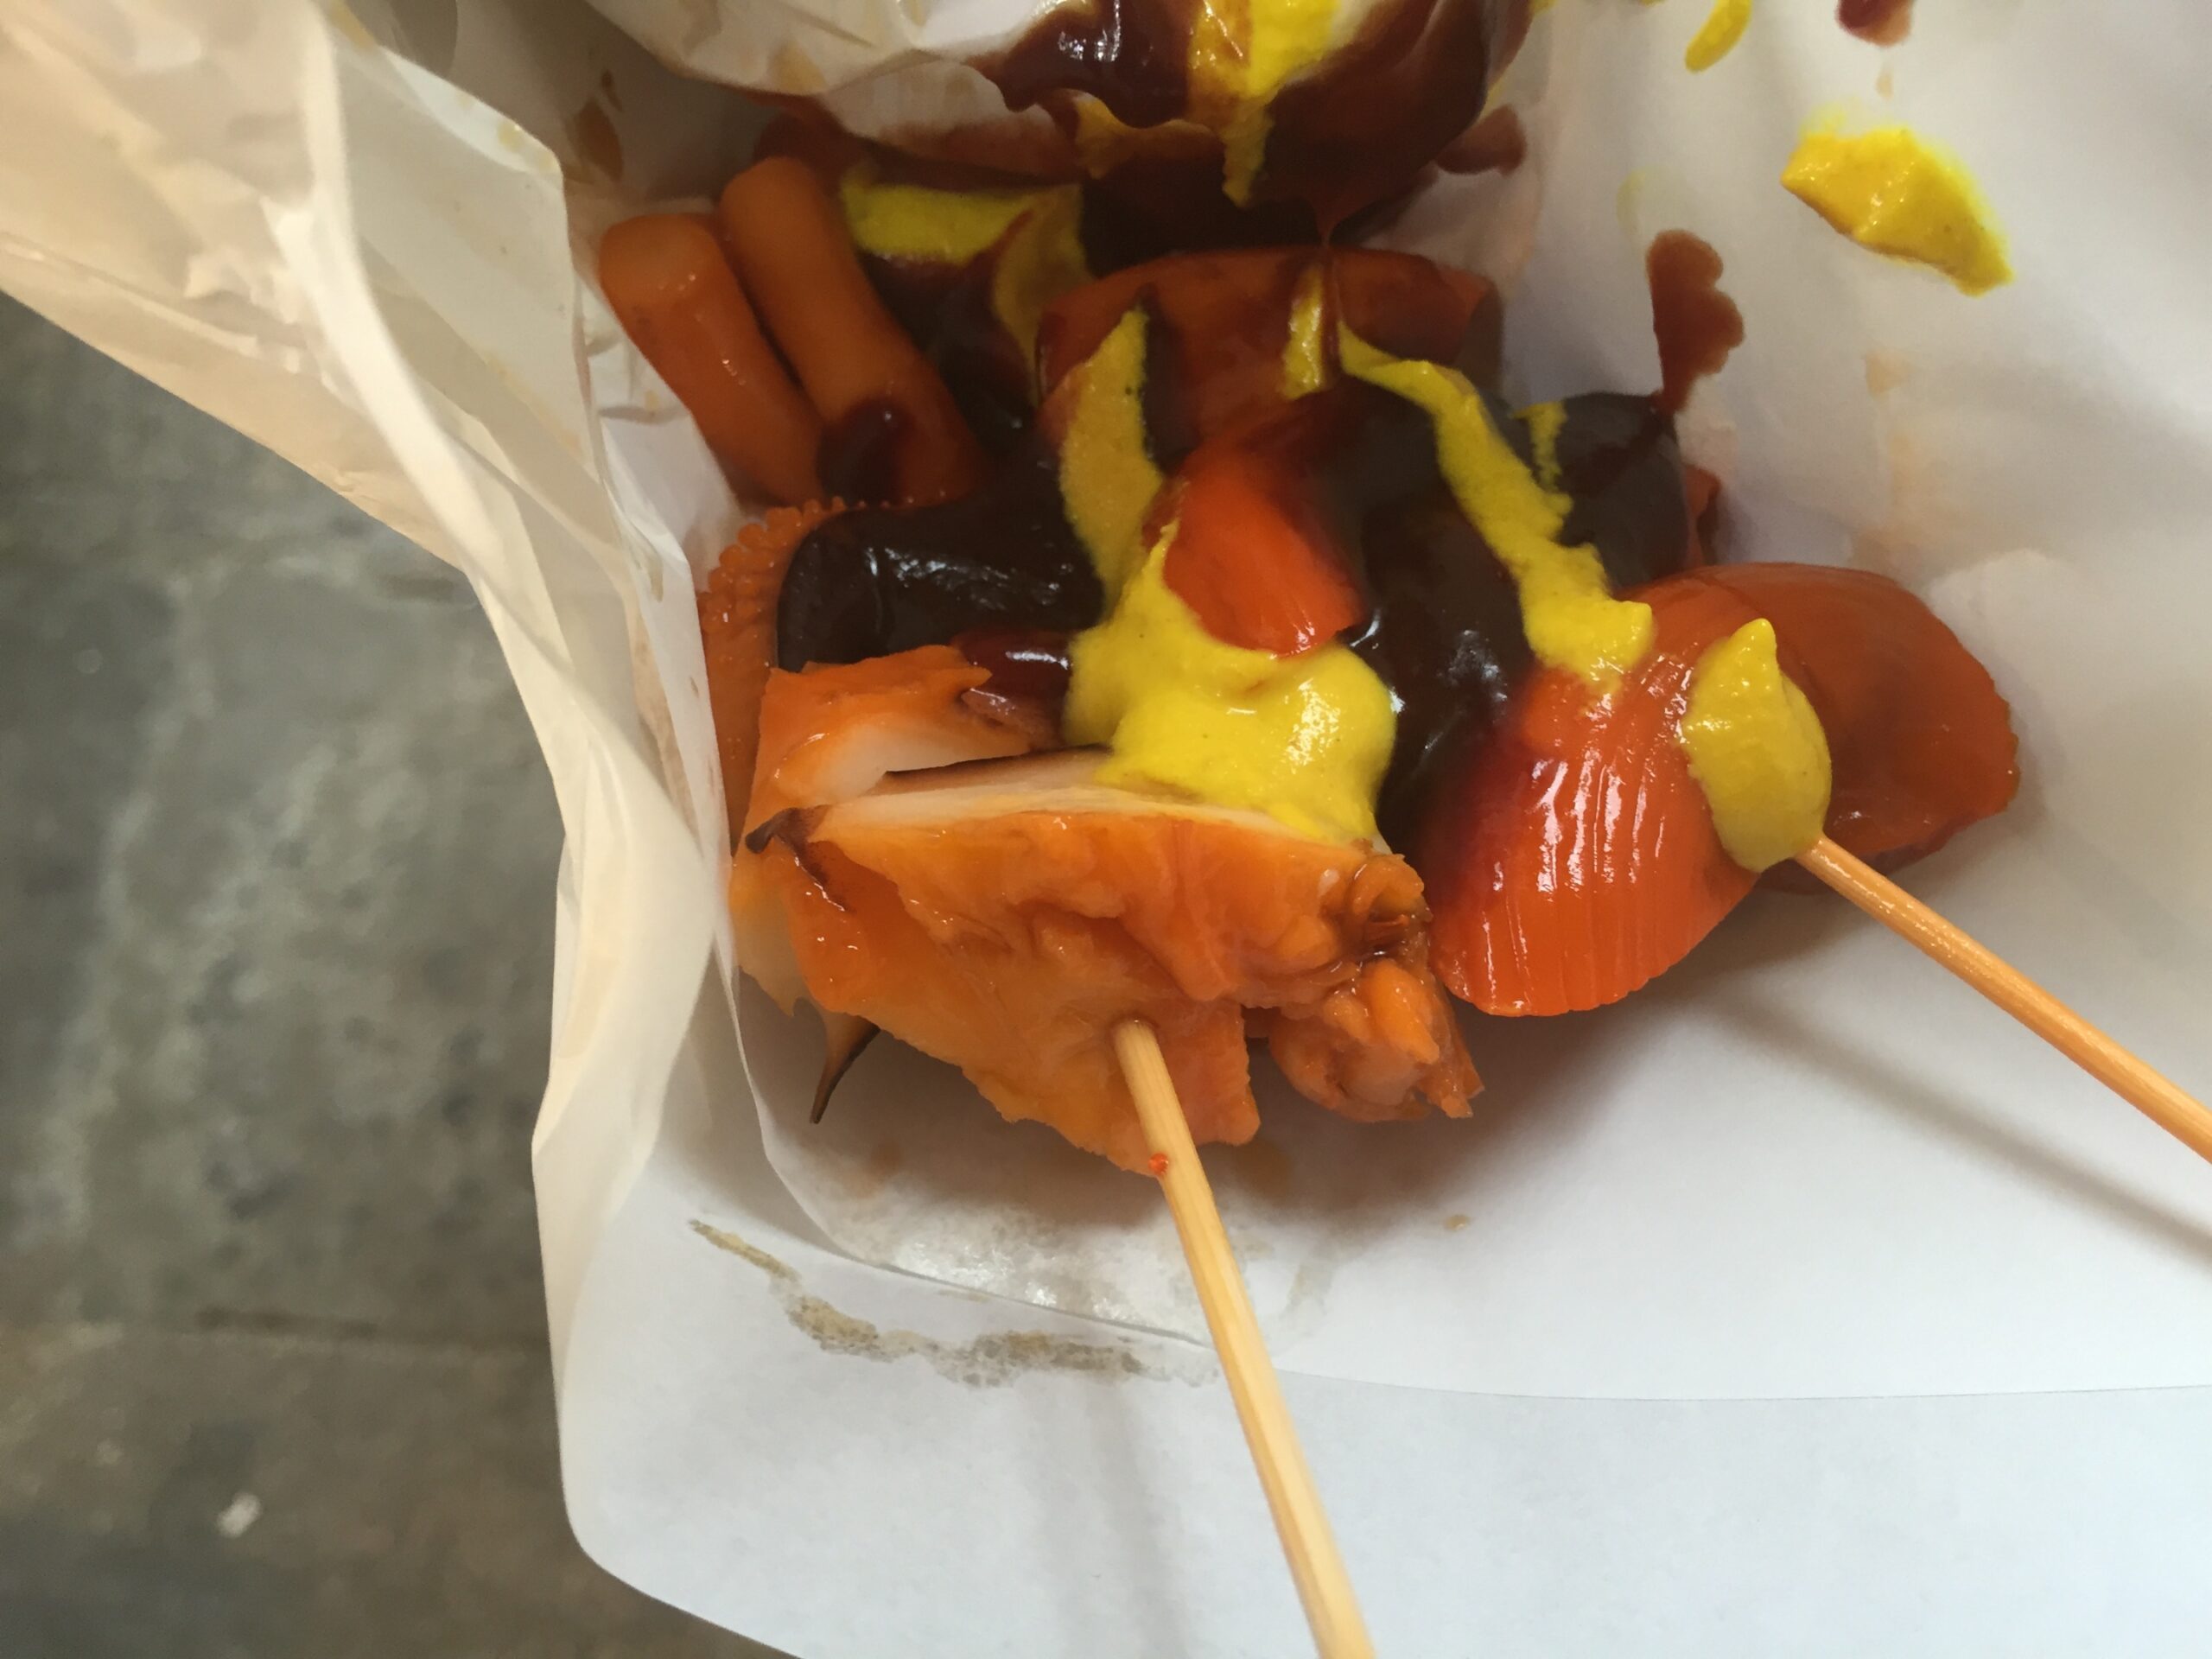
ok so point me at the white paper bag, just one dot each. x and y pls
(1620, 1366)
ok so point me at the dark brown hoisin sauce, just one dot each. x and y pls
(1355, 129)
(1444, 629)
(888, 579)
(1222, 321)
(1446, 633)
(946, 310)
(1149, 208)
(1444, 623)
(1131, 55)
(858, 457)
(1365, 122)
(1030, 664)
(1697, 325)
(1002, 574)
(1620, 465)
(1882, 22)
(1171, 414)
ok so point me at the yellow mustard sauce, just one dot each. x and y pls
(1306, 365)
(1305, 739)
(1107, 476)
(1568, 610)
(1890, 191)
(912, 221)
(1544, 422)
(1717, 36)
(1042, 260)
(1241, 53)
(1757, 750)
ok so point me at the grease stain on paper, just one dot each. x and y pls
(792, 74)
(343, 20)
(1886, 371)
(598, 146)
(868, 1180)
(990, 1361)
(1264, 1167)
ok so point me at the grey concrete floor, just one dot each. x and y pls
(276, 855)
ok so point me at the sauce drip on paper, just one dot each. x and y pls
(1885, 22)
(1697, 325)
(1496, 143)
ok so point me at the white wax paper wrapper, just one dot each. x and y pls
(1803, 1176)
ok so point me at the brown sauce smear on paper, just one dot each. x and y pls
(597, 145)
(990, 1361)
(1697, 325)
(1496, 143)
(1885, 22)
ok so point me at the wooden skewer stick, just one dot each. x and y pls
(2149, 1092)
(1324, 1587)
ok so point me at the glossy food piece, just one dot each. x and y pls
(968, 272)
(1373, 114)
(1305, 738)
(737, 627)
(1615, 456)
(1332, 510)
(674, 293)
(1217, 350)
(832, 733)
(1006, 917)
(1574, 859)
(889, 420)
(1757, 749)
(1279, 121)
(1224, 321)
(1412, 307)
(1324, 517)
(1921, 743)
(877, 581)
(1252, 558)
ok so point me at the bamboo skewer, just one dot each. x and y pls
(2157, 1096)
(1324, 1587)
